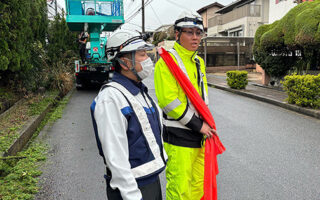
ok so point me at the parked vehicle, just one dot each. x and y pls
(94, 17)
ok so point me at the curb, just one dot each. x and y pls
(268, 87)
(301, 110)
(7, 105)
(30, 127)
(9, 109)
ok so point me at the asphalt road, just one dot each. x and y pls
(272, 153)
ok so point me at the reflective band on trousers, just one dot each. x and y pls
(157, 163)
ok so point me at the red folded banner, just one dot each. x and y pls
(213, 146)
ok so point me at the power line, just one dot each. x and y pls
(148, 26)
(156, 14)
(133, 24)
(134, 14)
(137, 12)
(132, 10)
(180, 6)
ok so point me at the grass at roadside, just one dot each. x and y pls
(14, 121)
(18, 177)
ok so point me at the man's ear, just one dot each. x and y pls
(125, 64)
(176, 35)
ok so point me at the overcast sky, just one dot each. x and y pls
(159, 12)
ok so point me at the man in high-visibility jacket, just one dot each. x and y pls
(184, 130)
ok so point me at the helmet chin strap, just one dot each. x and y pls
(133, 61)
(133, 69)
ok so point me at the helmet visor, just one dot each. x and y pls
(137, 45)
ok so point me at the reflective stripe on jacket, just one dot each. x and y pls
(128, 129)
(182, 122)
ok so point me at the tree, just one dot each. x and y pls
(290, 43)
(159, 37)
(29, 44)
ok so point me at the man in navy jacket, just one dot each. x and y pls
(127, 123)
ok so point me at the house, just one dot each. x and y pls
(240, 18)
(163, 28)
(208, 12)
(243, 17)
(279, 8)
(52, 7)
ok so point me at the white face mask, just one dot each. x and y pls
(147, 68)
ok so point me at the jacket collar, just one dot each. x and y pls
(132, 86)
(185, 53)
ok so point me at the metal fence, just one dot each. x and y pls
(99, 7)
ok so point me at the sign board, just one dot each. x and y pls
(77, 66)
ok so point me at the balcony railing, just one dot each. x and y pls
(105, 13)
(244, 11)
(95, 7)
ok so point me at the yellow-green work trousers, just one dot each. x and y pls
(184, 172)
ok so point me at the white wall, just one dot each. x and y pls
(277, 11)
(212, 31)
(252, 25)
(167, 44)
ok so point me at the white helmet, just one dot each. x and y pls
(188, 19)
(125, 41)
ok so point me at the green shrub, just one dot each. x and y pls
(303, 90)
(237, 79)
(291, 43)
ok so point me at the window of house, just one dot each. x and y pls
(236, 33)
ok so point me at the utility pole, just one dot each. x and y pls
(56, 7)
(142, 8)
(238, 53)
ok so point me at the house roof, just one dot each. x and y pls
(165, 26)
(210, 6)
(233, 5)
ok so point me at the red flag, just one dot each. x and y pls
(213, 146)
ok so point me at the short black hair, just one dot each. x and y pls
(115, 62)
(116, 65)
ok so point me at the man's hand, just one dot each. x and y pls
(207, 130)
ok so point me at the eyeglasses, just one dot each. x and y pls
(191, 33)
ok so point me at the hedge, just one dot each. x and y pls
(292, 42)
(303, 90)
(237, 79)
